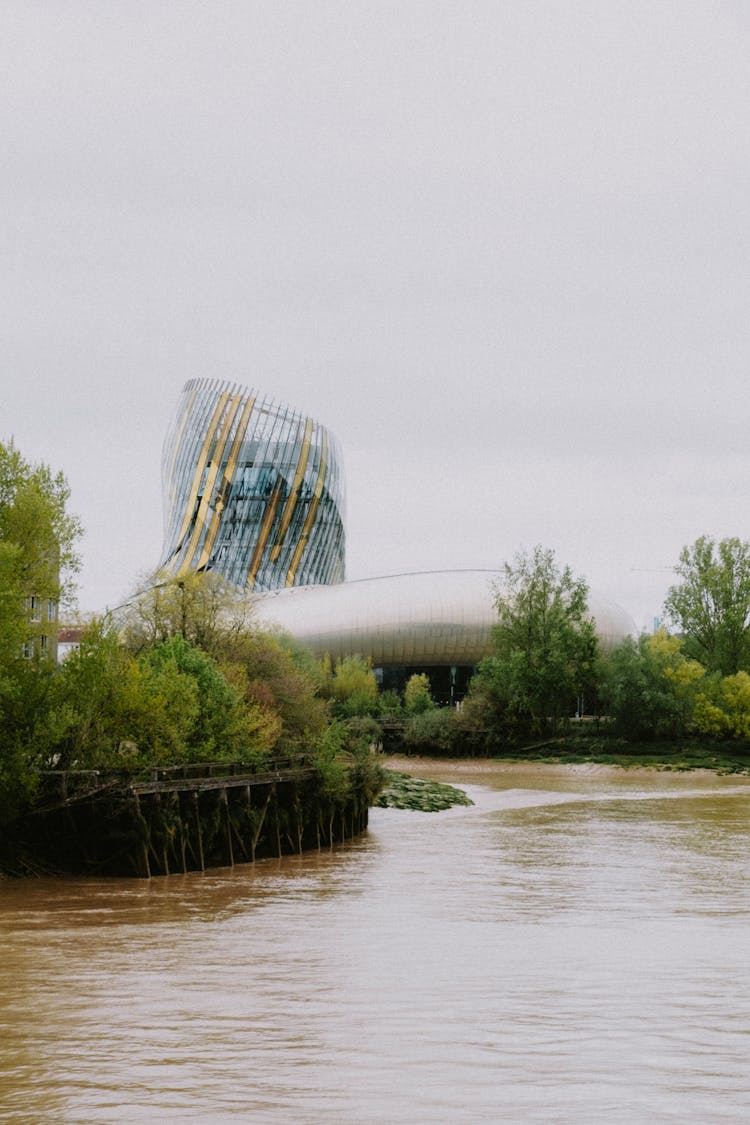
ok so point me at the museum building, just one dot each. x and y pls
(254, 491)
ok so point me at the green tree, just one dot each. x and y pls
(649, 688)
(545, 645)
(84, 725)
(350, 684)
(431, 731)
(14, 626)
(25, 691)
(171, 703)
(271, 674)
(35, 521)
(205, 609)
(37, 559)
(710, 605)
(722, 707)
(484, 724)
(390, 705)
(220, 728)
(417, 694)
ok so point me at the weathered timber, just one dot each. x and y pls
(187, 818)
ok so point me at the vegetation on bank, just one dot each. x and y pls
(548, 690)
(600, 748)
(402, 791)
(182, 674)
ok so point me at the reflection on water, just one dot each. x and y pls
(571, 949)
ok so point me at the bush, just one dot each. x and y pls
(650, 687)
(723, 709)
(417, 694)
(430, 732)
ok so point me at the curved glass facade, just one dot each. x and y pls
(428, 619)
(252, 490)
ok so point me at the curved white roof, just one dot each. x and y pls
(433, 617)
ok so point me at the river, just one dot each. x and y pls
(573, 948)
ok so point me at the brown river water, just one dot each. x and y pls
(574, 948)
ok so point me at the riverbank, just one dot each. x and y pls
(589, 748)
(455, 769)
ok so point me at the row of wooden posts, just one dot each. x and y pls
(190, 830)
(177, 823)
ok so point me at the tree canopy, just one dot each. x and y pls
(203, 608)
(649, 687)
(37, 533)
(350, 684)
(37, 559)
(545, 645)
(710, 604)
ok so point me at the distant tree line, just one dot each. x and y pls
(182, 673)
(547, 674)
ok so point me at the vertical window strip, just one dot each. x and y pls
(199, 423)
(312, 512)
(194, 431)
(224, 488)
(220, 493)
(277, 430)
(200, 466)
(263, 534)
(282, 444)
(214, 465)
(286, 516)
(186, 411)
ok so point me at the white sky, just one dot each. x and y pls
(501, 248)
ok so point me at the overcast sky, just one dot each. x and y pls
(501, 249)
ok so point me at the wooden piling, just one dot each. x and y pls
(198, 831)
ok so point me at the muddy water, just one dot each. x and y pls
(572, 949)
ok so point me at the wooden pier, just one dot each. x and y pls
(189, 818)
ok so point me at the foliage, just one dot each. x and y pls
(402, 791)
(350, 684)
(545, 645)
(169, 704)
(711, 603)
(270, 675)
(483, 724)
(14, 627)
(24, 695)
(345, 765)
(417, 694)
(204, 608)
(366, 775)
(722, 709)
(275, 679)
(34, 519)
(362, 733)
(430, 732)
(650, 686)
(390, 705)
(91, 696)
(221, 727)
(37, 558)
(329, 762)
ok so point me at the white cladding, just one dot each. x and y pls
(434, 617)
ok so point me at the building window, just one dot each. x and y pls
(35, 607)
(43, 644)
(51, 610)
(28, 649)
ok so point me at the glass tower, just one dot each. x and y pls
(252, 490)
